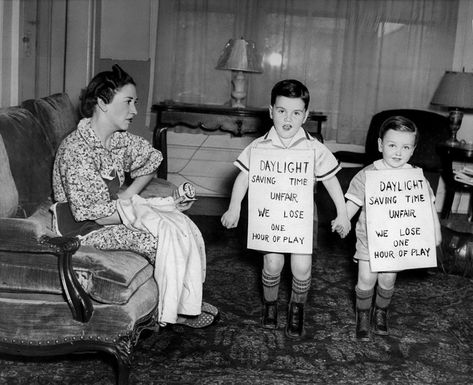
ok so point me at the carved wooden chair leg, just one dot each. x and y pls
(122, 352)
(123, 372)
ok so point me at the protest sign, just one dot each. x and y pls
(399, 220)
(281, 200)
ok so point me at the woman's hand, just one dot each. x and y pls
(183, 206)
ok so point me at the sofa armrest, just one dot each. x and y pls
(351, 157)
(24, 236)
(158, 187)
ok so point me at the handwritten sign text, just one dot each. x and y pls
(281, 199)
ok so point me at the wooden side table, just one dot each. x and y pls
(448, 155)
(217, 119)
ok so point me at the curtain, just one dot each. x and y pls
(357, 57)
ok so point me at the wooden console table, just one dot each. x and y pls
(215, 118)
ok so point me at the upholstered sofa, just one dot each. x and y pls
(56, 296)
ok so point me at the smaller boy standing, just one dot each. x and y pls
(288, 110)
(397, 140)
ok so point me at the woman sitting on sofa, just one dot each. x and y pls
(89, 182)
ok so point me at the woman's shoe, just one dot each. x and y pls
(211, 309)
(270, 315)
(206, 318)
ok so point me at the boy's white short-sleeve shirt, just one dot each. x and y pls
(326, 165)
(356, 194)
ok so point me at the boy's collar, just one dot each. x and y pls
(273, 136)
(380, 165)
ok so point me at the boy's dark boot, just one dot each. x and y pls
(380, 312)
(364, 299)
(295, 320)
(380, 321)
(269, 319)
(295, 314)
(270, 315)
(363, 324)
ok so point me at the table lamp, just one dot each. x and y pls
(455, 92)
(239, 56)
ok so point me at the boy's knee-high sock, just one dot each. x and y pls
(364, 298)
(270, 286)
(383, 297)
(300, 289)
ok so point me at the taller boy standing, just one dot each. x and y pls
(288, 110)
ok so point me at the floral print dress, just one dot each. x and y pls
(82, 168)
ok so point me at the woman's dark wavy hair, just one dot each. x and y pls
(290, 88)
(399, 123)
(103, 86)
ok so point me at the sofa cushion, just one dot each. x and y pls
(111, 277)
(107, 277)
(8, 191)
(56, 114)
(45, 319)
(30, 155)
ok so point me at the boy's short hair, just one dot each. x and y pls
(290, 88)
(399, 123)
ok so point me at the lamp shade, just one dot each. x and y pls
(455, 90)
(240, 55)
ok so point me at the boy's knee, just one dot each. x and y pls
(366, 280)
(301, 266)
(365, 284)
(273, 263)
(387, 280)
(301, 272)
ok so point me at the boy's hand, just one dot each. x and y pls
(230, 219)
(341, 225)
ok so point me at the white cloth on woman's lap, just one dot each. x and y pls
(180, 264)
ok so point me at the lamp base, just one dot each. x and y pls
(455, 117)
(238, 89)
(452, 142)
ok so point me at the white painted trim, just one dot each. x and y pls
(15, 54)
(2, 6)
(91, 39)
(153, 37)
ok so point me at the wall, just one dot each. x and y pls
(101, 33)
(80, 43)
(127, 29)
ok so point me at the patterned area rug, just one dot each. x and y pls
(430, 341)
